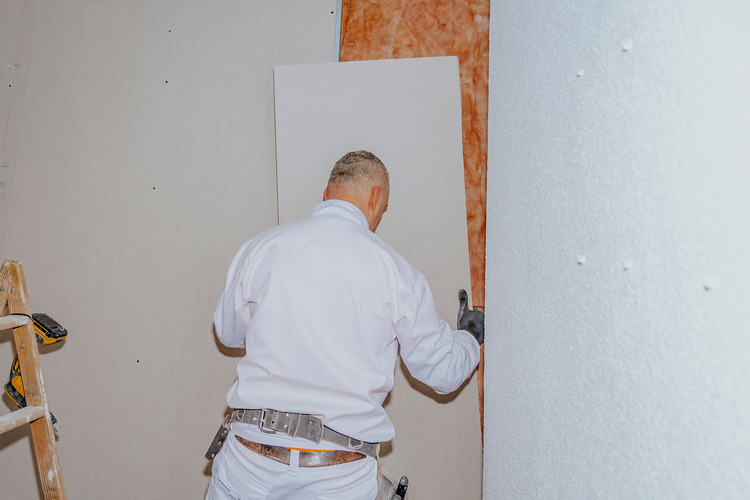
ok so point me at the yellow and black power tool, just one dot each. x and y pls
(48, 331)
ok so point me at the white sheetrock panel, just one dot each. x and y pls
(225, 34)
(135, 204)
(11, 15)
(408, 112)
(118, 147)
(134, 181)
(6, 90)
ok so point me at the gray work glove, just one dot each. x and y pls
(470, 320)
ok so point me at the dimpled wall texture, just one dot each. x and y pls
(617, 256)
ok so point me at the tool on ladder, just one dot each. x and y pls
(48, 331)
(36, 414)
(401, 489)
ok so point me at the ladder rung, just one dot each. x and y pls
(20, 417)
(12, 321)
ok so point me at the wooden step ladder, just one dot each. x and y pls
(36, 413)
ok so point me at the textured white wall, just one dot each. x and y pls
(618, 260)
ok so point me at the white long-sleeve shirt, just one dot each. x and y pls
(321, 305)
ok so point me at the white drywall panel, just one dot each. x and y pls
(408, 112)
(129, 234)
(11, 25)
(137, 170)
(6, 90)
(221, 35)
(617, 251)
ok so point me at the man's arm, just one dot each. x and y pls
(232, 315)
(433, 352)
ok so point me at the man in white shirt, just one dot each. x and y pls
(321, 306)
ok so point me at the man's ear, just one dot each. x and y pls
(375, 193)
(325, 194)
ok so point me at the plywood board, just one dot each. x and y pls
(408, 112)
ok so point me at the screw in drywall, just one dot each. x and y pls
(710, 282)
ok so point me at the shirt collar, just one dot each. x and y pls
(342, 209)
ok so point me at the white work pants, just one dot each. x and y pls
(241, 474)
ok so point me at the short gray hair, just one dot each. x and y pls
(359, 169)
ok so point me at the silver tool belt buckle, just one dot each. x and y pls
(293, 424)
(268, 420)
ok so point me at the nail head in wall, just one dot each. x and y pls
(627, 45)
(627, 265)
(581, 260)
(579, 74)
(709, 283)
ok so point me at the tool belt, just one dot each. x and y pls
(306, 458)
(303, 426)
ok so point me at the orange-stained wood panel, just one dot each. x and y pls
(396, 29)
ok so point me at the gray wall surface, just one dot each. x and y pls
(617, 263)
(137, 156)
